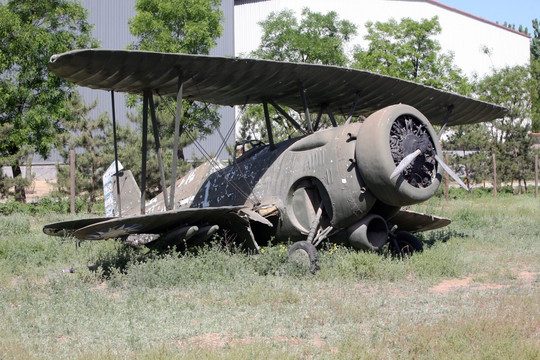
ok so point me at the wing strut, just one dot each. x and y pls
(116, 156)
(331, 115)
(177, 121)
(319, 116)
(143, 153)
(287, 116)
(158, 147)
(446, 118)
(351, 113)
(306, 109)
(268, 126)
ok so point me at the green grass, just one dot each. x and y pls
(474, 293)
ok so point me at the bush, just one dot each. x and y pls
(44, 206)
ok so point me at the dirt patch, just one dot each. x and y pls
(449, 285)
(454, 284)
(39, 189)
(528, 276)
(219, 341)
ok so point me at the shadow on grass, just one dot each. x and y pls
(433, 237)
(117, 260)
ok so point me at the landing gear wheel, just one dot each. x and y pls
(304, 253)
(407, 244)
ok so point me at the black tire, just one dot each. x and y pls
(305, 254)
(407, 244)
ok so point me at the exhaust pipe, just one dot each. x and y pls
(370, 233)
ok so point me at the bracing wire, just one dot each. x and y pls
(211, 160)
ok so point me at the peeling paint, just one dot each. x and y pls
(205, 202)
(186, 201)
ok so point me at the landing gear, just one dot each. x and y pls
(405, 244)
(304, 253)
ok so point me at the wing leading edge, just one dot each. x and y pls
(234, 81)
(158, 223)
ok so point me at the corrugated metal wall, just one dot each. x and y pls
(111, 28)
(225, 47)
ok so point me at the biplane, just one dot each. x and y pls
(345, 184)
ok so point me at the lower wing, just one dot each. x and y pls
(412, 221)
(158, 223)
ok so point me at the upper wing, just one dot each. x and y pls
(233, 81)
(160, 223)
(413, 221)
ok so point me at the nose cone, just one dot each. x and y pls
(384, 140)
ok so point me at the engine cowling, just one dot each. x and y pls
(384, 139)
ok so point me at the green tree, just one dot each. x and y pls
(175, 26)
(471, 155)
(316, 39)
(408, 50)
(511, 87)
(31, 98)
(535, 73)
(91, 138)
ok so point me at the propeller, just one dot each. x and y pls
(450, 172)
(407, 160)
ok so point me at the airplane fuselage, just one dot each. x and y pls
(296, 177)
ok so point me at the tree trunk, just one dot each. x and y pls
(20, 192)
(466, 172)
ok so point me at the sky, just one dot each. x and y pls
(518, 12)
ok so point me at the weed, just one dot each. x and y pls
(219, 302)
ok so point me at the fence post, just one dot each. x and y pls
(494, 176)
(536, 176)
(447, 179)
(72, 179)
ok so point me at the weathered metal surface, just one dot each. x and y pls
(233, 81)
(186, 188)
(295, 178)
(412, 221)
(337, 184)
(158, 223)
(67, 228)
(130, 194)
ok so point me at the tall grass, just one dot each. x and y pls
(220, 302)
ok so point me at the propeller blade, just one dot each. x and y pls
(405, 162)
(450, 172)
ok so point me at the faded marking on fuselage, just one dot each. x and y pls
(186, 201)
(205, 202)
(316, 159)
(189, 179)
(329, 177)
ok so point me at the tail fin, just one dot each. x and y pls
(130, 194)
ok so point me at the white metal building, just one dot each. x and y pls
(466, 35)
